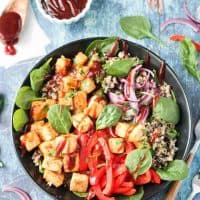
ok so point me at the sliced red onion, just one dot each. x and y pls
(186, 11)
(112, 132)
(187, 22)
(116, 99)
(148, 71)
(143, 114)
(21, 193)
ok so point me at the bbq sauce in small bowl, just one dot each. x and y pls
(63, 9)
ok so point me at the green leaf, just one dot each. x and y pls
(1, 102)
(138, 196)
(188, 56)
(94, 44)
(109, 116)
(172, 133)
(1, 164)
(176, 170)
(138, 27)
(141, 158)
(25, 97)
(81, 194)
(37, 76)
(20, 118)
(167, 109)
(60, 118)
(120, 68)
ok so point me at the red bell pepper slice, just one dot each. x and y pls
(109, 172)
(129, 147)
(120, 179)
(60, 146)
(130, 192)
(120, 169)
(155, 178)
(127, 184)
(121, 190)
(100, 195)
(95, 179)
(143, 179)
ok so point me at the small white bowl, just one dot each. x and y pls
(65, 21)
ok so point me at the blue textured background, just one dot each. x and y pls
(101, 20)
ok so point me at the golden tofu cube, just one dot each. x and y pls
(81, 122)
(122, 129)
(69, 83)
(80, 101)
(47, 148)
(79, 182)
(47, 132)
(116, 145)
(81, 73)
(52, 164)
(66, 101)
(88, 85)
(30, 140)
(62, 65)
(53, 178)
(71, 162)
(36, 126)
(80, 59)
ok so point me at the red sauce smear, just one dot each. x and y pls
(72, 161)
(63, 9)
(10, 28)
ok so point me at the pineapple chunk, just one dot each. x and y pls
(88, 85)
(71, 162)
(53, 178)
(80, 59)
(47, 148)
(80, 101)
(30, 140)
(79, 182)
(52, 164)
(122, 129)
(116, 145)
(62, 65)
(47, 133)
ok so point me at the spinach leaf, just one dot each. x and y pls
(81, 194)
(101, 46)
(60, 118)
(167, 109)
(20, 118)
(188, 55)
(138, 27)
(172, 133)
(1, 102)
(37, 76)
(120, 68)
(25, 97)
(141, 158)
(109, 116)
(137, 196)
(176, 170)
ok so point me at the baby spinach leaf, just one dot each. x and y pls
(120, 68)
(1, 102)
(138, 196)
(25, 97)
(94, 44)
(81, 194)
(109, 116)
(167, 109)
(141, 158)
(37, 76)
(138, 27)
(176, 170)
(188, 55)
(20, 118)
(60, 118)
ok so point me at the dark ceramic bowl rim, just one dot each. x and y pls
(190, 136)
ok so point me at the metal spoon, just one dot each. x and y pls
(176, 185)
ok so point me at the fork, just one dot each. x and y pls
(195, 187)
(156, 3)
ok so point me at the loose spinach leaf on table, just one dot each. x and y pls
(109, 116)
(120, 68)
(141, 158)
(167, 109)
(138, 27)
(188, 55)
(60, 118)
(176, 170)
(138, 196)
(37, 76)
(25, 97)
(20, 118)
(1, 102)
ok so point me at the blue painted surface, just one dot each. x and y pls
(101, 20)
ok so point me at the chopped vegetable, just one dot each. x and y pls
(20, 118)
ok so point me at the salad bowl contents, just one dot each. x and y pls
(101, 121)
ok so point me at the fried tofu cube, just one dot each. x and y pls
(116, 145)
(30, 140)
(82, 123)
(69, 83)
(71, 162)
(79, 182)
(66, 101)
(62, 65)
(95, 106)
(53, 178)
(80, 59)
(52, 164)
(66, 144)
(88, 85)
(81, 73)
(36, 126)
(80, 101)
(47, 148)
(47, 132)
(122, 129)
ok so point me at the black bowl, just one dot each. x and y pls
(184, 126)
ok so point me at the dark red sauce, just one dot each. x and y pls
(72, 161)
(63, 9)
(10, 28)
